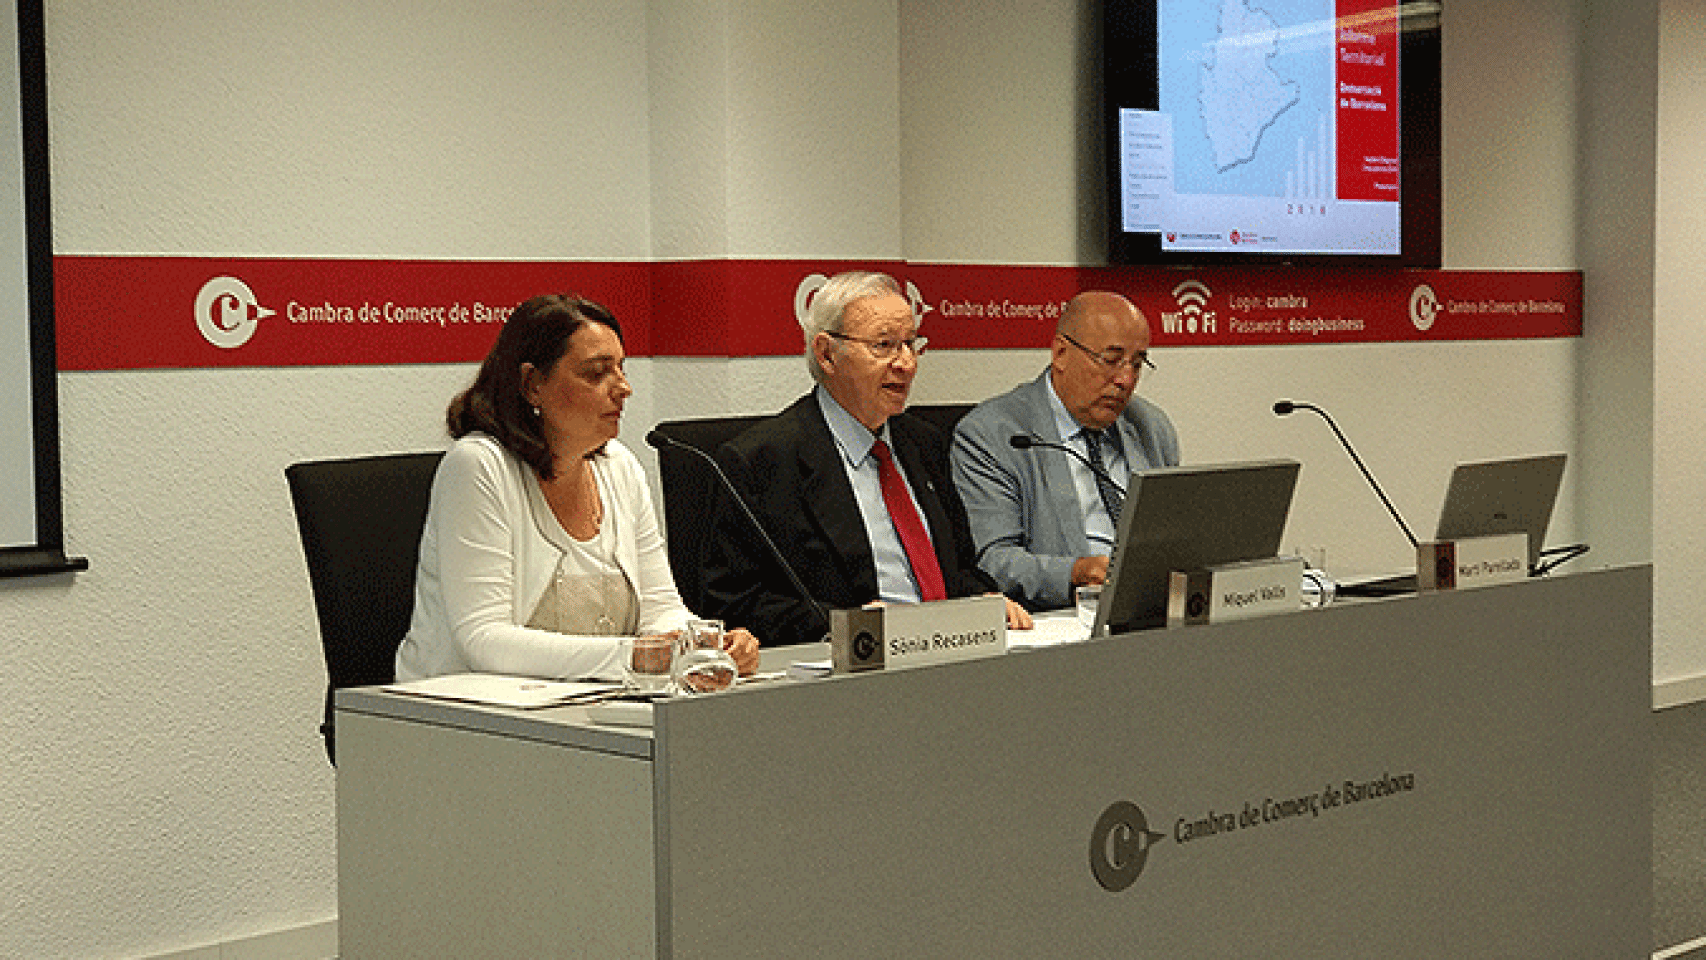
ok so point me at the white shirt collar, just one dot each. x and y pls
(1065, 424)
(852, 437)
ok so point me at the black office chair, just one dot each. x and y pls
(942, 416)
(361, 522)
(690, 492)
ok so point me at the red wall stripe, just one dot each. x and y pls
(138, 312)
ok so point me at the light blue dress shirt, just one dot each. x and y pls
(1098, 526)
(895, 583)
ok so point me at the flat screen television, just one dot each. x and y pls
(1273, 131)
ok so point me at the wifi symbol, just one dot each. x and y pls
(1191, 294)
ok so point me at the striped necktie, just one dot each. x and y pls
(1112, 498)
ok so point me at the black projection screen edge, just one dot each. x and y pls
(47, 555)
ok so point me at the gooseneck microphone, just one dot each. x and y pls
(661, 442)
(1023, 441)
(1285, 407)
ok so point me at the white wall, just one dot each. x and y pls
(1679, 416)
(1616, 244)
(164, 784)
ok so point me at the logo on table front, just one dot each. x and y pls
(865, 647)
(227, 312)
(1120, 845)
(1196, 605)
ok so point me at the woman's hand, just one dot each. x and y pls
(1018, 618)
(743, 647)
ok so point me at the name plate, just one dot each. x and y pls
(895, 636)
(1471, 562)
(1235, 591)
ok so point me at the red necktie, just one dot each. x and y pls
(913, 537)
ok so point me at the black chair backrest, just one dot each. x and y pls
(361, 522)
(942, 416)
(690, 493)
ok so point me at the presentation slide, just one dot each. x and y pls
(1277, 129)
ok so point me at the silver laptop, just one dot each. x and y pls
(1187, 518)
(1502, 496)
(1484, 498)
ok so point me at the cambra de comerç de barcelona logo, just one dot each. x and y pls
(227, 312)
(1121, 841)
(1120, 845)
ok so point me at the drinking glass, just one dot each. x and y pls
(701, 663)
(1318, 586)
(647, 662)
(1089, 597)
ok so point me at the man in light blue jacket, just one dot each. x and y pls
(1043, 522)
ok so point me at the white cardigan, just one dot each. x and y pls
(484, 564)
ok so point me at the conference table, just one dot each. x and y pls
(1457, 774)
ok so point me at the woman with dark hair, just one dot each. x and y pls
(542, 549)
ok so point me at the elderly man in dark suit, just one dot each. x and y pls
(854, 491)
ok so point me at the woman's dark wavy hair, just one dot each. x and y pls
(537, 332)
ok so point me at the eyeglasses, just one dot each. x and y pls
(1111, 365)
(887, 349)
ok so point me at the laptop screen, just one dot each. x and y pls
(1187, 518)
(1502, 496)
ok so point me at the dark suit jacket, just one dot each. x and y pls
(789, 470)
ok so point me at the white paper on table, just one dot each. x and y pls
(499, 690)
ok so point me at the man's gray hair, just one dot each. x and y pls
(824, 315)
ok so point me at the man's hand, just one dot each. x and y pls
(1089, 570)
